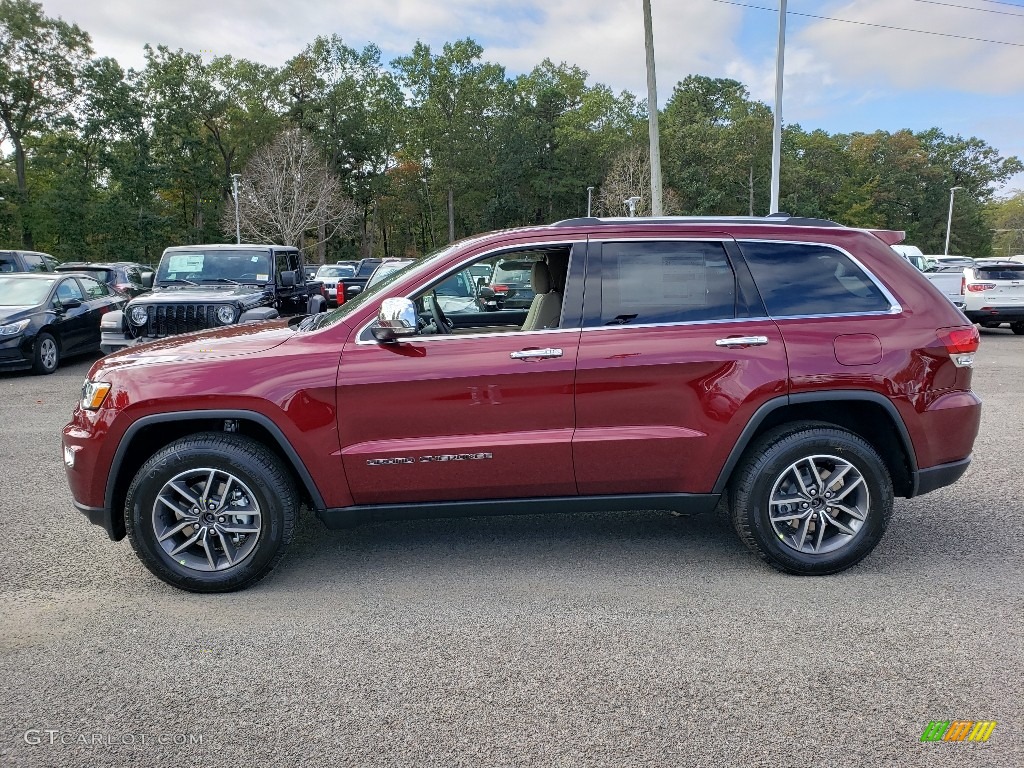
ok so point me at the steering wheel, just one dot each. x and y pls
(441, 323)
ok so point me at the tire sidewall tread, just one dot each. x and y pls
(761, 467)
(260, 469)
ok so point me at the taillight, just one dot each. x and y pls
(981, 287)
(961, 343)
(963, 285)
(499, 288)
(339, 293)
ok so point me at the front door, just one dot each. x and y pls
(482, 412)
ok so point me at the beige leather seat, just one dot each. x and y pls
(546, 307)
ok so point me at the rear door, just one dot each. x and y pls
(73, 322)
(675, 356)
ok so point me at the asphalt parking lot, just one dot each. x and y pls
(628, 639)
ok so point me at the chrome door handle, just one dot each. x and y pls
(742, 341)
(536, 354)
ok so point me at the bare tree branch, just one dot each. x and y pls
(629, 176)
(288, 193)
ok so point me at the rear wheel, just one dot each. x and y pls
(45, 354)
(810, 498)
(1017, 328)
(212, 512)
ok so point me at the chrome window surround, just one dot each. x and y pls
(894, 306)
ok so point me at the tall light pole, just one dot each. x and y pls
(949, 221)
(590, 195)
(238, 223)
(652, 113)
(780, 66)
(631, 203)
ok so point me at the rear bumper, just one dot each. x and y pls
(1002, 314)
(932, 478)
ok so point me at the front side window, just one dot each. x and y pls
(68, 290)
(665, 282)
(797, 279)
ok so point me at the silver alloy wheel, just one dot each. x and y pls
(207, 519)
(48, 353)
(818, 504)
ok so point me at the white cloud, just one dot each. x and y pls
(908, 60)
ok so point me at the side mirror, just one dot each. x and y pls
(396, 318)
(316, 305)
(486, 292)
(288, 278)
(481, 281)
(147, 279)
(70, 303)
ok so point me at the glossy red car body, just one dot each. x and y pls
(655, 412)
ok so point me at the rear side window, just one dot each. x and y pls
(93, 288)
(798, 279)
(666, 282)
(34, 262)
(1000, 272)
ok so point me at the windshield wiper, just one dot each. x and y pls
(220, 280)
(176, 280)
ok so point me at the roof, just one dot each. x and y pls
(781, 219)
(229, 247)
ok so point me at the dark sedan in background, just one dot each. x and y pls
(45, 317)
(124, 277)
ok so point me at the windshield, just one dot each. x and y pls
(513, 272)
(23, 292)
(325, 319)
(335, 272)
(220, 265)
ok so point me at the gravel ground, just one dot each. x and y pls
(628, 639)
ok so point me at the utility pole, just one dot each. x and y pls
(949, 221)
(780, 65)
(652, 113)
(238, 223)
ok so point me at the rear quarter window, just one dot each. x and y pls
(799, 279)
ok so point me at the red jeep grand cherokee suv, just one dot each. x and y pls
(797, 367)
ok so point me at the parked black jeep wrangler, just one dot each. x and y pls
(209, 286)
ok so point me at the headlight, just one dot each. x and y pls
(138, 315)
(93, 394)
(13, 329)
(226, 315)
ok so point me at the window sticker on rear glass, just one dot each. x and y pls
(185, 262)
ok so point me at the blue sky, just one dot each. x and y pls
(840, 77)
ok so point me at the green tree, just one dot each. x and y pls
(40, 62)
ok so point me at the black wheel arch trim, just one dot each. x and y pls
(259, 418)
(847, 395)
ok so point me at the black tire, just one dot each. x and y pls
(268, 504)
(45, 354)
(1017, 328)
(771, 466)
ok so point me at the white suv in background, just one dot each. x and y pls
(994, 293)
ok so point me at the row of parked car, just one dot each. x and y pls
(990, 291)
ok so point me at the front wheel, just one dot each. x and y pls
(212, 512)
(811, 499)
(45, 354)
(1017, 328)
